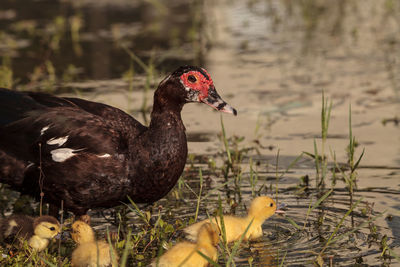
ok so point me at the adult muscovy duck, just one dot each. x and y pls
(93, 155)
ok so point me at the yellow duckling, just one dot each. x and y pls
(90, 253)
(261, 209)
(37, 231)
(185, 254)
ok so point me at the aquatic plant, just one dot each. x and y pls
(6, 73)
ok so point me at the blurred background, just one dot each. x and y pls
(270, 59)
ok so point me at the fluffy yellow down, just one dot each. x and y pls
(90, 253)
(261, 209)
(86, 255)
(185, 254)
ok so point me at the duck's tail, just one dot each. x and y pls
(13, 106)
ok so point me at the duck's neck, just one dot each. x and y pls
(163, 148)
(166, 120)
(167, 107)
(166, 100)
(255, 219)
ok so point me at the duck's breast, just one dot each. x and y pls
(157, 163)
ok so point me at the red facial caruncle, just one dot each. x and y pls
(195, 80)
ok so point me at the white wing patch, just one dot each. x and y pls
(57, 141)
(106, 155)
(62, 154)
(44, 129)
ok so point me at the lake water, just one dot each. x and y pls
(271, 60)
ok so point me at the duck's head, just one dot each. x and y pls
(208, 234)
(262, 208)
(195, 85)
(46, 227)
(81, 232)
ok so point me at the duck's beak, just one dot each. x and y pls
(280, 209)
(216, 102)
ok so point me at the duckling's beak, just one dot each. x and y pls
(280, 209)
(215, 101)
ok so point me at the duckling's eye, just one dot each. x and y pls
(52, 228)
(271, 204)
(192, 78)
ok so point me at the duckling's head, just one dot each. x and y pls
(81, 232)
(46, 227)
(208, 234)
(262, 208)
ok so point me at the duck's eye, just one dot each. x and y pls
(52, 228)
(192, 78)
(271, 204)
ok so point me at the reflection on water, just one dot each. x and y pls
(271, 59)
(87, 39)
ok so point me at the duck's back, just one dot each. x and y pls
(234, 227)
(30, 118)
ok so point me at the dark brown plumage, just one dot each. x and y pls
(94, 155)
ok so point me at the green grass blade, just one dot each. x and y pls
(283, 260)
(113, 256)
(199, 195)
(291, 165)
(339, 224)
(357, 228)
(208, 259)
(187, 258)
(221, 217)
(228, 152)
(292, 222)
(317, 165)
(127, 248)
(358, 161)
(137, 210)
(319, 201)
(237, 244)
(47, 262)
